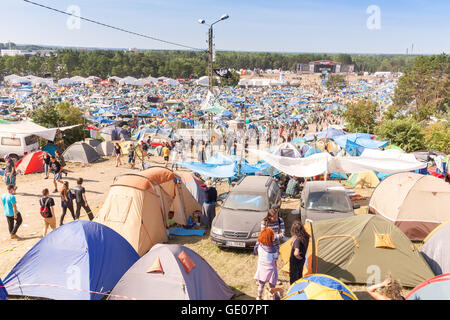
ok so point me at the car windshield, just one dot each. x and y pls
(329, 201)
(248, 202)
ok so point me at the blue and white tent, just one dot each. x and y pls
(72, 262)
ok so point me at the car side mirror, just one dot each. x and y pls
(356, 206)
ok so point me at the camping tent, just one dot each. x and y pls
(319, 287)
(72, 263)
(172, 272)
(31, 163)
(415, 203)
(435, 249)
(195, 185)
(138, 205)
(80, 152)
(106, 148)
(114, 133)
(3, 293)
(93, 142)
(50, 149)
(363, 180)
(436, 288)
(363, 248)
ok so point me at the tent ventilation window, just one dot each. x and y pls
(384, 241)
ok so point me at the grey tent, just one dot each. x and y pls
(111, 133)
(93, 142)
(171, 272)
(81, 152)
(435, 249)
(106, 148)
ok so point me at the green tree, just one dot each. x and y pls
(437, 137)
(425, 85)
(406, 133)
(361, 116)
(63, 114)
(336, 81)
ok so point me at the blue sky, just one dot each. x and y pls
(254, 25)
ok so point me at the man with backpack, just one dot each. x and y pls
(47, 211)
(80, 198)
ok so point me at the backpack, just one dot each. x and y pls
(44, 209)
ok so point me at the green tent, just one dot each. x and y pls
(363, 180)
(393, 146)
(364, 249)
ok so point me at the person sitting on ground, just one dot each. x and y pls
(389, 289)
(267, 257)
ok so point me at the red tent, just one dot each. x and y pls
(31, 163)
(432, 171)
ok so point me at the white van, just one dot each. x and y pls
(17, 145)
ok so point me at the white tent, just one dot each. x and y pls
(128, 81)
(28, 127)
(203, 81)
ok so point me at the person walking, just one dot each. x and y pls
(297, 258)
(47, 211)
(165, 152)
(66, 202)
(10, 173)
(56, 168)
(46, 159)
(131, 156)
(267, 258)
(60, 158)
(13, 216)
(118, 154)
(209, 206)
(81, 201)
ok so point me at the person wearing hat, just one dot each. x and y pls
(10, 173)
(209, 206)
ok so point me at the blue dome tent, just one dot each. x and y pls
(72, 262)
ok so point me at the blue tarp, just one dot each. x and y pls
(327, 133)
(223, 166)
(50, 148)
(353, 149)
(363, 139)
(186, 232)
(312, 151)
(77, 257)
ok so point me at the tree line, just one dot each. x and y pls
(178, 64)
(419, 117)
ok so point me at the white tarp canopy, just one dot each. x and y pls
(28, 127)
(387, 161)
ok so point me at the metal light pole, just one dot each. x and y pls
(210, 64)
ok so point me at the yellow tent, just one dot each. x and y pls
(363, 180)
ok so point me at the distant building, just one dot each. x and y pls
(27, 53)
